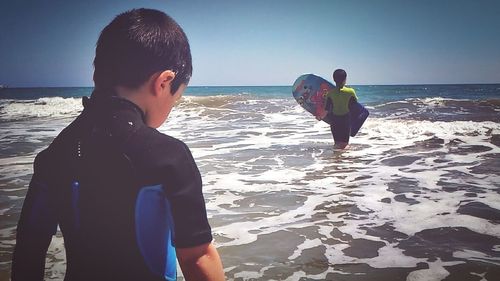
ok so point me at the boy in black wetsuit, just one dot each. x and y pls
(127, 198)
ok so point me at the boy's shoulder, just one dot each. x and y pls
(156, 155)
(159, 141)
(348, 90)
(344, 90)
(145, 141)
(152, 149)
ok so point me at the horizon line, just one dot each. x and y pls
(389, 84)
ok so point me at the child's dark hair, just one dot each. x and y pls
(339, 76)
(137, 44)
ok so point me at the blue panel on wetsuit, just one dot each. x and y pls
(154, 228)
(358, 116)
(75, 196)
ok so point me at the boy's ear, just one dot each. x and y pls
(163, 82)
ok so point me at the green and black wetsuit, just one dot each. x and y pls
(338, 103)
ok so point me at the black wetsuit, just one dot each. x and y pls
(118, 190)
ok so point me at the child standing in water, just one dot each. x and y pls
(338, 102)
(127, 198)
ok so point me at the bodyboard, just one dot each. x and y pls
(309, 91)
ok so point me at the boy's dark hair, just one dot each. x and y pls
(137, 44)
(339, 76)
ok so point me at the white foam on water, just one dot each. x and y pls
(3, 211)
(40, 108)
(388, 256)
(480, 275)
(307, 244)
(475, 255)
(390, 135)
(15, 167)
(391, 256)
(436, 272)
(7, 232)
(246, 275)
(254, 146)
(56, 259)
(298, 275)
(240, 232)
(379, 141)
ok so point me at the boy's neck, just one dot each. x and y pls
(134, 96)
(340, 86)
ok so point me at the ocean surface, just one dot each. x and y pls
(415, 197)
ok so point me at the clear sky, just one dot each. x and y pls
(269, 42)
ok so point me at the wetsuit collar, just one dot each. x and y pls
(111, 103)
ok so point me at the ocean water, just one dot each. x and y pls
(415, 197)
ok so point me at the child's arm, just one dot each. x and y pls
(354, 95)
(352, 101)
(327, 107)
(196, 254)
(327, 104)
(201, 263)
(35, 228)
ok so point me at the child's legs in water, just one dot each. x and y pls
(341, 129)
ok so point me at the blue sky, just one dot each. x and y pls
(52, 43)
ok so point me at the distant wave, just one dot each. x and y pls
(429, 108)
(440, 109)
(39, 108)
